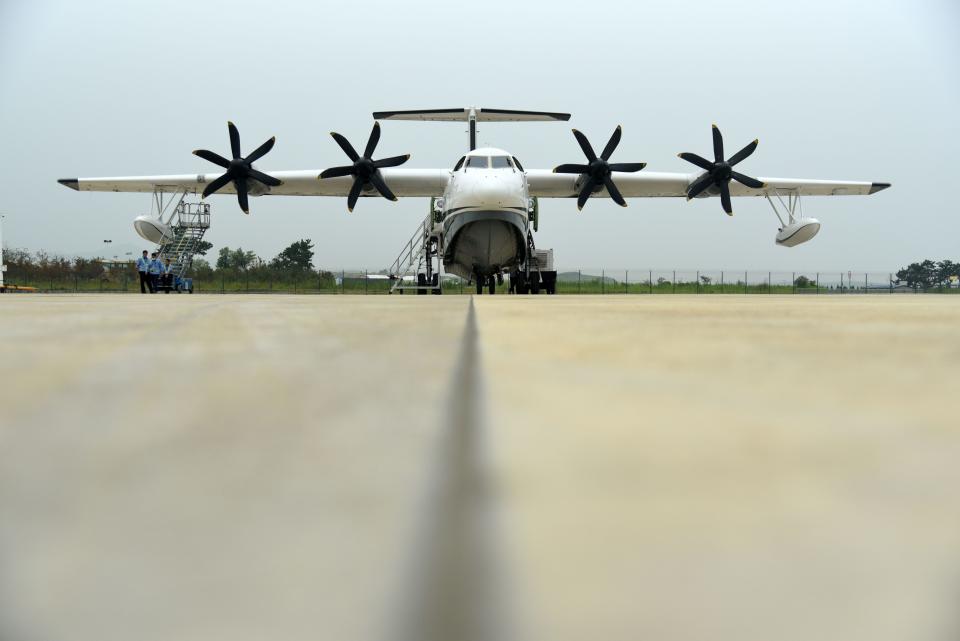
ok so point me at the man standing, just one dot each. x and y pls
(167, 277)
(156, 268)
(143, 268)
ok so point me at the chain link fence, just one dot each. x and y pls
(598, 281)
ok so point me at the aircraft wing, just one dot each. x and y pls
(543, 183)
(403, 183)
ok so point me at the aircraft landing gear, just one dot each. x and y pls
(489, 281)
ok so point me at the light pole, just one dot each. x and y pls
(3, 267)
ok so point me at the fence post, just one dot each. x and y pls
(841, 282)
(818, 282)
(721, 282)
(626, 281)
(366, 281)
(890, 280)
(603, 281)
(296, 283)
(650, 282)
(768, 282)
(674, 281)
(343, 282)
(76, 283)
(866, 283)
(744, 282)
(794, 281)
(222, 283)
(579, 275)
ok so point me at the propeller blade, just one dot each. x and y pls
(377, 180)
(268, 180)
(585, 192)
(260, 151)
(354, 194)
(612, 143)
(346, 146)
(216, 159)
(217, 184)
(234, 140)
(699, 161)
(242, 195)
(614, 192)
(725, 198)
(372, 141)
(743, 153)
(717, 144)
(392, 161)
(336, 172)
(627, 167)
(747, 180)
(585, 146)
(570, 169)
(698, 185)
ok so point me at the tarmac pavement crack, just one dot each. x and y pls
(455, 585)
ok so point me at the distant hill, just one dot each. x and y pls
(572, 277)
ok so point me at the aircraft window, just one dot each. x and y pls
(500, 162)
(478, 162)
(459, 163)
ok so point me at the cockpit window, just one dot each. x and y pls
(500, 162)
(478, 162)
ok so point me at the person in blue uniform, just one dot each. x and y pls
(156, 269)
(143, 268)
(167, 276)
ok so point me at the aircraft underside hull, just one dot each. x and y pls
(484, 242)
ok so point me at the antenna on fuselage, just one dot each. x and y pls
(472, 115)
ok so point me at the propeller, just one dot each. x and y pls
(365, 170)
(597, 172)
(720, 172)
(239, 170)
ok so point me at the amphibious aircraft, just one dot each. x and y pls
(484, 207)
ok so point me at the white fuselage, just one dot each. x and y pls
(485, 214)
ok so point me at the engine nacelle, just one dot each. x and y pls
(152, 229)
(800, 231)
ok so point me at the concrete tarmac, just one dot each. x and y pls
(393, 468)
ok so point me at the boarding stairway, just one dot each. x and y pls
(189, 223)
(416, 258)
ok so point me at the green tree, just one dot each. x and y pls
(298, 257)
(223, 258)
(242, 260)
(922, 275)
(203, 247)
(235, 258)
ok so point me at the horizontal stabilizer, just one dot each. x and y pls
(463, 114)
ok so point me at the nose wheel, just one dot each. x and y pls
(489, 281)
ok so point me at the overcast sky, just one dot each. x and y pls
(835, 89)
